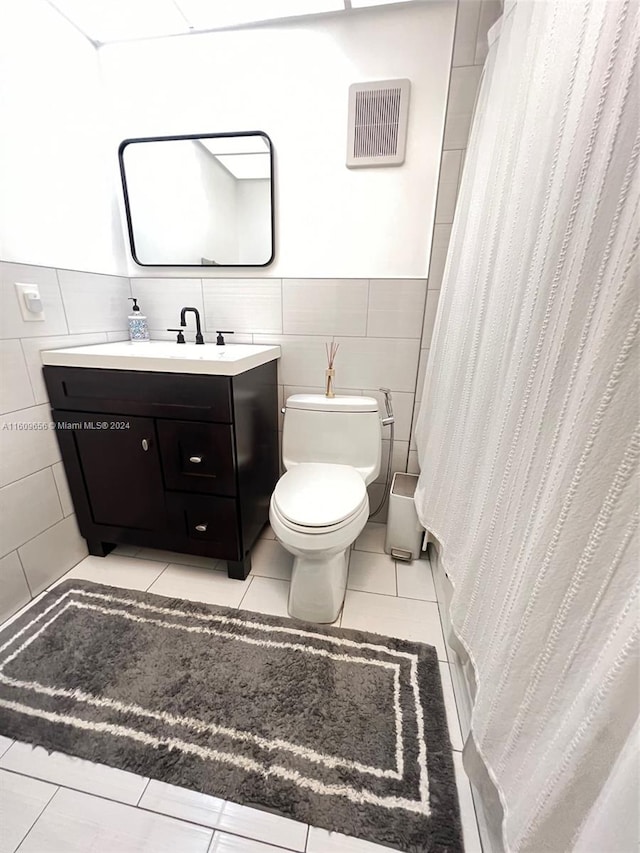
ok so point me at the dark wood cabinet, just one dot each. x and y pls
(180, 462)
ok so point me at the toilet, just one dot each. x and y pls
(331, 448)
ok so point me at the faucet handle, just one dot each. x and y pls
(181, 339)
(220, 333)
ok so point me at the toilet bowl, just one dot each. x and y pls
(317, 511)
(320, 506)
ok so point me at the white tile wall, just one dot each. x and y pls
(422, 369)
(28, 443)
(63, 540)
(303, 360)
(13, 583)
(325, 306)
(462, 95)
(448, 186)
(15, 388)
(439, 246)
(27, 507)
(243, 304)
(490, 11)
(430, 317)
(11, 323)
(377, 362)
(162, 299)
(395, 308)
(466, 37)
(398, 460)
(34, 496)
(63, 488)
(93, 302)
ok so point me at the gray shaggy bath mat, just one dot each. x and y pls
(341, 729)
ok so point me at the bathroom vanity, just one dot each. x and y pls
(168, 446)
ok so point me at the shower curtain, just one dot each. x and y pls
(528, 433)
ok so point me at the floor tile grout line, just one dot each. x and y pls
(250, 579)
(61, 785)
(367, 551)
(144, 791)
(219, 829)
(157, 578)
(45, 807)
(211, 840)
(6, 750)
(391, 595)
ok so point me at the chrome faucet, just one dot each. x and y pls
(183, 322)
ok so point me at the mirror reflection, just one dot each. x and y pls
(201, 200)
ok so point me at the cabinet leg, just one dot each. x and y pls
(239, 569)
(99, 549)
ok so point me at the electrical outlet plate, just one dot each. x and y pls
(22, 292)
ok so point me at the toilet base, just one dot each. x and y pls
(318, 587)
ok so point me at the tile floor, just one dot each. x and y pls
(58, 804)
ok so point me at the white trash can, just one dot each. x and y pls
(404, 532)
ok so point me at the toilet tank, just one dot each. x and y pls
(341, 430)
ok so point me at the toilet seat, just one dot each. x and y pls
(317, 497)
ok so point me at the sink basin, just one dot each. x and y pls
(165, 357)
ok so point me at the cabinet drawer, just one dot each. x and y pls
(127, 392)
(197, 457)
(199, 518)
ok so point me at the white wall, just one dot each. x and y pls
(291, 80)
(58, 205)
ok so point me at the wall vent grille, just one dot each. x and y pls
(378, 115)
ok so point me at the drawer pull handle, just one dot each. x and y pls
(145, 444)
(195, 459)
(201, 528)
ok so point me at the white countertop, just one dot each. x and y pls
(165, 357)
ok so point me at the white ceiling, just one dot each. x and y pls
(104, 21)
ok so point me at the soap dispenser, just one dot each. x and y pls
(138, 326)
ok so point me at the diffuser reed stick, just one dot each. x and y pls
(331, 350)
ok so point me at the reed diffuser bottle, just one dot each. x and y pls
(331, 350)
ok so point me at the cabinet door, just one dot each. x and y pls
(120, 466)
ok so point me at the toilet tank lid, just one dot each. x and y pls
(339, 403)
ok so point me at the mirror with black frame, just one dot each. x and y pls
(199, 200)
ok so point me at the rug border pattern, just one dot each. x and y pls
(421, 806)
